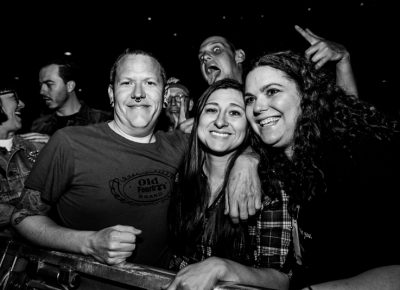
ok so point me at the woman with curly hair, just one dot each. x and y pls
(336, 158)
(208, 247)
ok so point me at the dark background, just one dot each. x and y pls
(96, 33)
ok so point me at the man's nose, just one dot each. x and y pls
(21, 104)
(42, 89)
(138, 92)
(205, 57)
(174, 101)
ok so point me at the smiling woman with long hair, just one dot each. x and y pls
(252, 253)
(337, 159)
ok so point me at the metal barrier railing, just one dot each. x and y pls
(46, 269)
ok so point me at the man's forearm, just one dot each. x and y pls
(111, 245)
(43, 231)
(345, 77)
(31, 221)
(244, 194)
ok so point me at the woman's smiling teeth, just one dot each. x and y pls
(270, 121)
(219, 134)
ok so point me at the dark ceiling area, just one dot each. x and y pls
(96, 34)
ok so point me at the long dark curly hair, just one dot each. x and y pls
(188, 220)
(328, 116)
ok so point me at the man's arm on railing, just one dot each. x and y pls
(110, 245)
(128, 274)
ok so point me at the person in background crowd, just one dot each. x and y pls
(176, 96)
(219, 58)
(17, 155)
(59, 80)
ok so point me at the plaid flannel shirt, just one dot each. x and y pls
(270, 237)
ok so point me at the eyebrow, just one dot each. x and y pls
(8, 94)
(263, 88)
(216, 42)
(236, 105)
(145, 78)
(46, 81)
(231, 104)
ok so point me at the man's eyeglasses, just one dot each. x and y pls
(7, 92)
(178, 98)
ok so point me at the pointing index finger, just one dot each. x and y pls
(310, 38)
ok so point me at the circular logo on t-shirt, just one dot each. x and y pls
(144, 188)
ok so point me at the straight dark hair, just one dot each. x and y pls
(188, 218)
(68, 70)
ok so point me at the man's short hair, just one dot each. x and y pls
(130, 51)
(234, 42)
(68, 69)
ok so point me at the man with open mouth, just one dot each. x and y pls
(16, 155)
